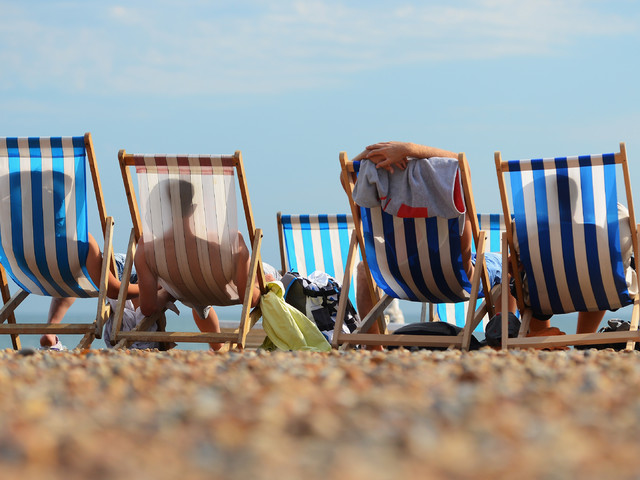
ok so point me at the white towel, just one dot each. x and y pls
(428, 187)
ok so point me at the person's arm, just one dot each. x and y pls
(147, 283)
(389, 154)
(94, 267)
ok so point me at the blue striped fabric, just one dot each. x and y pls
(43, 212)
(456, 313)
(318, 242)
(568, 232)
(416, 259)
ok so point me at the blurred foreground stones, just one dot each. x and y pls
(289, 415)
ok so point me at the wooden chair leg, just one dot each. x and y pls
(255, 270)
(344, 293)
(478, 273)
(86, 341)
(635, 318)
(102, 297)
(124, 285)
(10, 316)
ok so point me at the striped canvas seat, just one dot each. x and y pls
(191, 248)
(311, 243)
(416, 259)
(187, 223)
(44, 222)
(568, 234)
(456, 313)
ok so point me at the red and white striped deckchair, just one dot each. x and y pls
(188, 222)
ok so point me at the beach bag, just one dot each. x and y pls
(613, 325)
(432, 328)
(317, 296)
(286, 327)
(493, 330)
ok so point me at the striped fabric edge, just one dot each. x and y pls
(415, 259)
(46, 179)
(568, 233)
(565, 162)
(318, 243)
(192, 221)
(185, 164)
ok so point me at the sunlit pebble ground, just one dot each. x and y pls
(294, 415)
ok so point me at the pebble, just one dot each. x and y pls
(341, 415)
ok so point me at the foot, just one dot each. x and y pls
(166, 346)
(48, 341)
(548, 332)
(57, 346)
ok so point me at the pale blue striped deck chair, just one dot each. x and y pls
(319, 242)
(44, 229)
(415, 259)
(456, 313)
(568, 240)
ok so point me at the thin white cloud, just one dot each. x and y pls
(177, 48)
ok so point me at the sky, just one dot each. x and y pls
(293, 83)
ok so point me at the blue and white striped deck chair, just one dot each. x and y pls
(456, 313)
(416, 259)
(44, 229)
(311, 243)
(568, 234)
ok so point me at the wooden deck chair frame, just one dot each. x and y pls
(368, 333)
(631, 336)
(493, 224)
(90, 331)
(122, 339)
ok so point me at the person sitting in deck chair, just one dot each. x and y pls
(150, 282)
(391, 155)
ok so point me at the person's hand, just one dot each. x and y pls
(164, 297)
(509, 260)
(361, 156)
(389, 154)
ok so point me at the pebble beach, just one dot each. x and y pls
(100, 414)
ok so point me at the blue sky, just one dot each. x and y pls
(292, 83)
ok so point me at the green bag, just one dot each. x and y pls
(286, 327)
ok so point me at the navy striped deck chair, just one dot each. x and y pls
(187, 222)
(44, 229)
(316, 242)
(415, 259)
(568, 240)
(456, 313)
